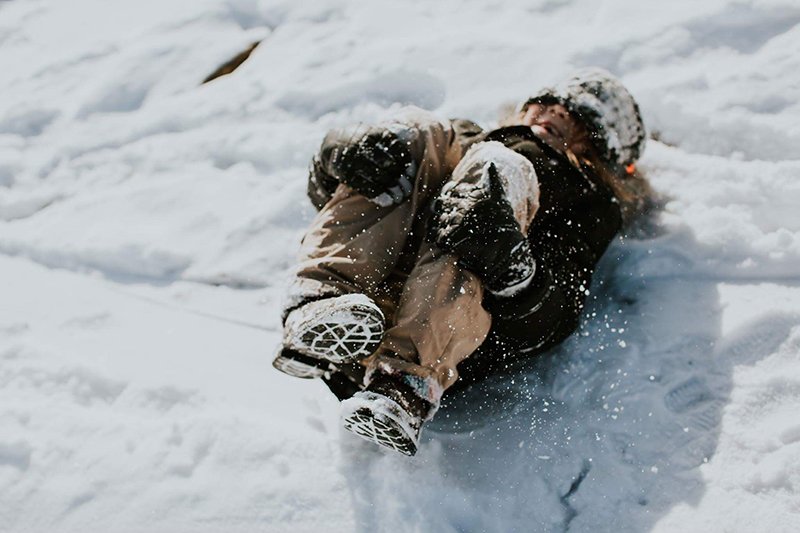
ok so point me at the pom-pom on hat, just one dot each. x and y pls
(606, 107)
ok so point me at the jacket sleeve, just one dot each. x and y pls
(549, 309)
(420, 131)
(578, 223)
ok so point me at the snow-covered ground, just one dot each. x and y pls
(147, 224)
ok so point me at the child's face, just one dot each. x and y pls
(555, 126)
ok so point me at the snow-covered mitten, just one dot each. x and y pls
(375, 161)
(476, 222)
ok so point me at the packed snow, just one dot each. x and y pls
(148, 224)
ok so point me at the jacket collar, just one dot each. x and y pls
(508, 135)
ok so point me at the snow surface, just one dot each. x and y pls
(147, 225)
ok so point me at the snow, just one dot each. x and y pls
(148, 225)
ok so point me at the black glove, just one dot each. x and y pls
(477, 223)
(374, 161)
(321, 185)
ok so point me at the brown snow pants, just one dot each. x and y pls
(434, 312)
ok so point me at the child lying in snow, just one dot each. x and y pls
(441, 249)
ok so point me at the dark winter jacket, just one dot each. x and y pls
(577, 219)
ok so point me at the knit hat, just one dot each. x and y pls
(606, 107)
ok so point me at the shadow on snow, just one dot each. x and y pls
(603, 433)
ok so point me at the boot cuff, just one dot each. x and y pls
(412, 386)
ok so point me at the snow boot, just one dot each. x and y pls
(297, 365)
(334, 331)
(389, 413)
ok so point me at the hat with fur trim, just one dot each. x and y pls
(606, 107)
